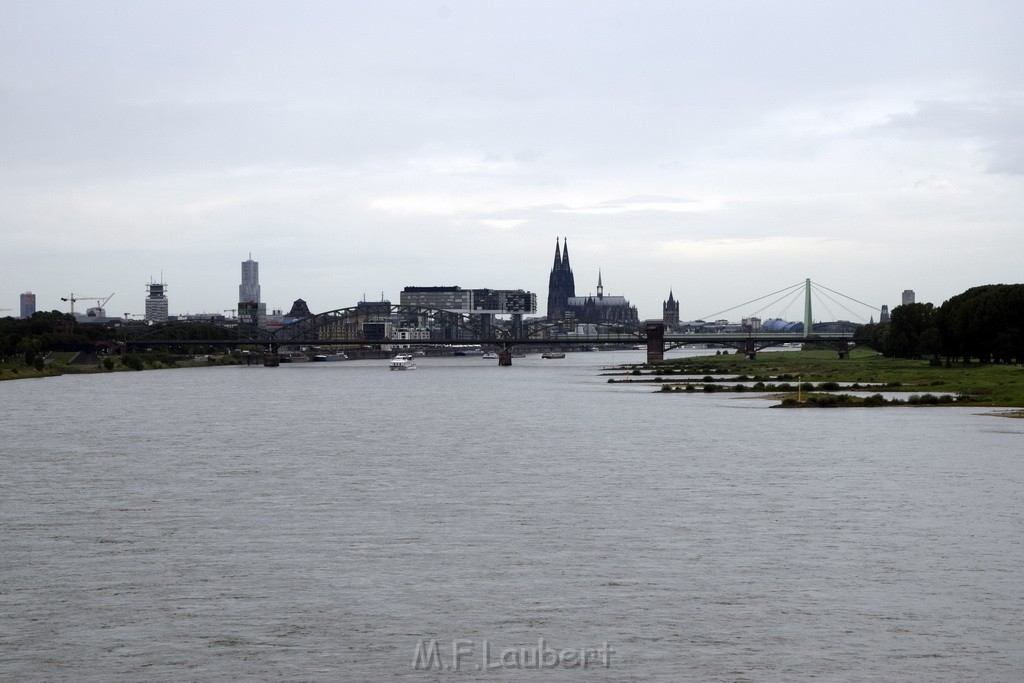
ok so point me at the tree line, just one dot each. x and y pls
(30, 338)
(984, 323)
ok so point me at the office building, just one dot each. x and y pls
(28, 304)
(156, 302)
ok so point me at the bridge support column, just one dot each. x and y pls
(505, 357)
(751, 350)
(655, 341)
(271, 358)
(844, 350)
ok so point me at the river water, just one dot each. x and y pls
(336, 521)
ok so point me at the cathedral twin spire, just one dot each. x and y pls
(561, 284)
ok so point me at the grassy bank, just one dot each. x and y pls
(63, 363)
(819, 373)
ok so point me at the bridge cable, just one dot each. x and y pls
(784, 289)
(840, 304)
(874, 308)
(820, 301)
(780, 314)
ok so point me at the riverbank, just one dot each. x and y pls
(64, 363)
(820, 379)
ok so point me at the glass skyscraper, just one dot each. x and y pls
(249, 290)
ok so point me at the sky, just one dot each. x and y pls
(721, 150)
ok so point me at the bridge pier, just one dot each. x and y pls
(844, 350)
(505, 357)
(751, 350)
(655, 341)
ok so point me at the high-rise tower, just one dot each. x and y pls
(249, 290)
(28, 304)
(250, 311)
(561, 284)
(156, 302)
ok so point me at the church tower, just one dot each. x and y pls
(670, 312)
(561, 284)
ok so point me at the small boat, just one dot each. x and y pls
(328, 357)
(402, 361)
(490, 355)
(552, 354)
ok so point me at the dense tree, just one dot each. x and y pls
(985, 322)
(906, 326)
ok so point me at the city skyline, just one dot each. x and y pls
(719, 151)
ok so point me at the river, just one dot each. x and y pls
(336, 521)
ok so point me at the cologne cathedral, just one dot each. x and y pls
(563, 304)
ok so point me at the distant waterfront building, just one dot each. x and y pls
(443, 298)
(563, 304)
(600, 309)
(156, 302)
(670, 312)
(908, 296)
(457, 299)
(28, 304)
(884, 316)
(561, 284)
(299, 310)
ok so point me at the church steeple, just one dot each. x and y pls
(670, 311)
(600, 287)
(558, 257)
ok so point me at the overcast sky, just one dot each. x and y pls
(723, 150)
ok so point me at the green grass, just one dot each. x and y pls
(976, 384)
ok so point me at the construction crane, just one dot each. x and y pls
(100, 300)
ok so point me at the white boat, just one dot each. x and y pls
(490, 356)
(402, 361)
(552, 354)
